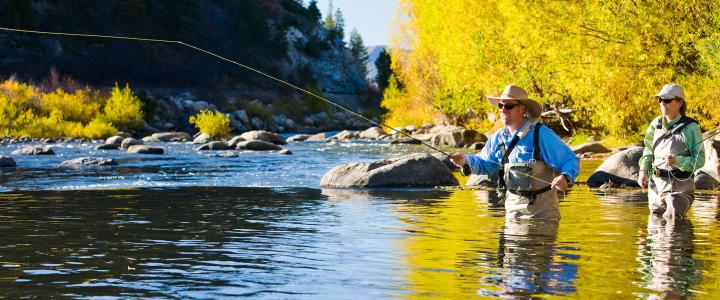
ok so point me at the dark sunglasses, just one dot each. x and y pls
(509, 106)
(667, 101)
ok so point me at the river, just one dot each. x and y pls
(187, 226)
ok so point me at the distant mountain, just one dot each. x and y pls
(373, 53)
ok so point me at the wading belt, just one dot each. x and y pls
(530, 194)
(675, 173)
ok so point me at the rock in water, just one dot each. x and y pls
(410, 170)
(621, 169)
(101, 161)
(7, 162)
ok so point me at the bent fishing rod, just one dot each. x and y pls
(213, 54)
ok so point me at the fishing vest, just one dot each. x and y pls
(670, 141)
(513, 176)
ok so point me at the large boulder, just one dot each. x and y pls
(115, 140)
(255, 145)
(233, 141)
(317, 137)
(457, 137)
(298, 138)
(81, 161)
(217, 145)
(202, 138)
(30, 150)
(144, 149)
(168, 137)
(7, 162)
(410, 170)
(592, 147)
(708, 177)
(345, 135)
(621, 169)
(373, 133)
(107, 147)
(126, 143)
(262, 135)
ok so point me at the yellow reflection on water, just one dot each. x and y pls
(605, 246)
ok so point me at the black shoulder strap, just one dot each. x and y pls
(684, 121)
(536, 143)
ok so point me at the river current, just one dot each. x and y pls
(185, 225)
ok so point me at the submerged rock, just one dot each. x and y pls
(90, 161)
(7, 162)
(317, 137)
(257, 146)
(30, 150)
(410, 170)
(233, 141)
(298, 138)
(168, 137)
(126, 143)
(217, 145)
(621, 169)
(144, 149)
(261, 135)
(107, 147)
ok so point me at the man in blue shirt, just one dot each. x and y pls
(530, 159)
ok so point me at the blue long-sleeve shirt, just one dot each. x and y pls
(553, 151)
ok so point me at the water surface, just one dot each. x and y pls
(264, 229)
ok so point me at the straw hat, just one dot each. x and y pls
(513, 92)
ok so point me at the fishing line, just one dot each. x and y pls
(213, 54)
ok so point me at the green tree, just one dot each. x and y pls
(382, 65)
(329, 21)
(339, 24)
(357, 47)
(313, 11)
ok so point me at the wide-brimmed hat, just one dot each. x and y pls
(514, 92)
(670, 91)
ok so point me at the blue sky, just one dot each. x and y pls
(370, 17)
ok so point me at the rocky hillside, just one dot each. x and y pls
(280, 37)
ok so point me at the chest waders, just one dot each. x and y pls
(527, 196)
(670, 191)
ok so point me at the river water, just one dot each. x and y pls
(184, 225)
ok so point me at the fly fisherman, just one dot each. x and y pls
(530, 159)
(673, 151)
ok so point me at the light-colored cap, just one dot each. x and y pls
(513, 92)
(670, 91)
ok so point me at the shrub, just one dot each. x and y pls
(213, 123)
(123, 110)
(98, 128)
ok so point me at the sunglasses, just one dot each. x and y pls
(667, 101)
(508, 106)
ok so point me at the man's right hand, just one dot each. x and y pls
(642, 179)
(458, 159)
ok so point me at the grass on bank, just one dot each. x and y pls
(83, 113)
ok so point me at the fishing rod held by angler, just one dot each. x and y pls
(177, 42)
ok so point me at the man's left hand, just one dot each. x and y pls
(559, 183)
